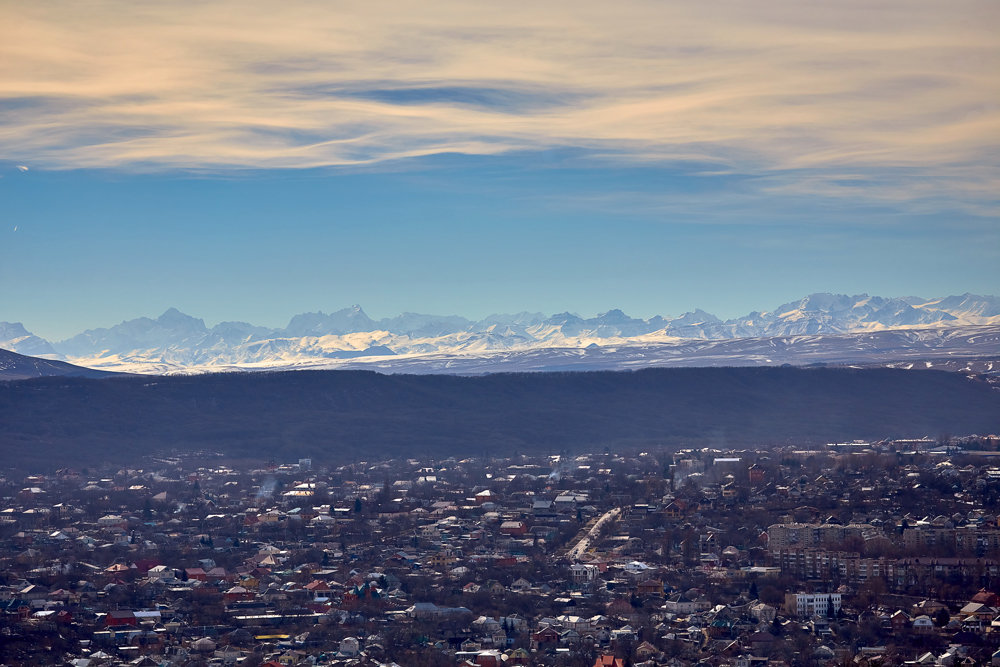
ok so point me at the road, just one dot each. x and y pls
(587, 535)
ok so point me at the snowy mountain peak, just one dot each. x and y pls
(10, 330)
(346, 320)
(175, 319)
(14, 337)
(616, 316)
(969, 305)
(697, 316)
(175, 341)
(565, 318)
(824, 302)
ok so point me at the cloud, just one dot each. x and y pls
(754, 87)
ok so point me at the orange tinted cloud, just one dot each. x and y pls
(756, 87)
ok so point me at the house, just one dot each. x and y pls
(636, 567)
(673, 510)
(440, 559)
(751, 661)
(608, 661)
(513, 528)
(494, 587)
(583, 574)
(237, 594)
(976, 616)
(650, 587)
(680, 603)
(542, 508)
(518, 656)
(520, 585)
(985, 597)
(624, 633)
(349, 647)
(923, 624)
(569, 638)
(33, 592)
(568, 501)
(645, 651)
(430, 610)
(120, 618)
(112, 521)
(575, 622)
(899, 621)
(545, 638)
(318, 589)
(487, 659)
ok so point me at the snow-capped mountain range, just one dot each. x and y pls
(412, 342)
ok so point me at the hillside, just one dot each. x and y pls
(15, 366)
(348, 415)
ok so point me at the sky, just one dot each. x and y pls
(251, 160)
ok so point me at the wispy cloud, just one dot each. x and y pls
(754, 87)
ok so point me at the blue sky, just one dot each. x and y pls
(464, 160)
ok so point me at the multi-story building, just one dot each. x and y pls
(812, 604)
(848, 566)
(804, 535)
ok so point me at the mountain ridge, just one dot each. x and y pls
(181, 342)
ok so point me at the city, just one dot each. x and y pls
(465, 334)
(854, 553)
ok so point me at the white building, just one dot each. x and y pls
(812, 604)
(583, 573)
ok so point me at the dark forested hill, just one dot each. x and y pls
(350, 415)
(14, 366)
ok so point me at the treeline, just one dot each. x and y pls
(353, 415)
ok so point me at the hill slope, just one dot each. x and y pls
(346, 415)
(15, 366)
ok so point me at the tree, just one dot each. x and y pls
(870, 591)
(771, 595)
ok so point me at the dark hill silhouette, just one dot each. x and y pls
(351, 415)
(14, 366)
